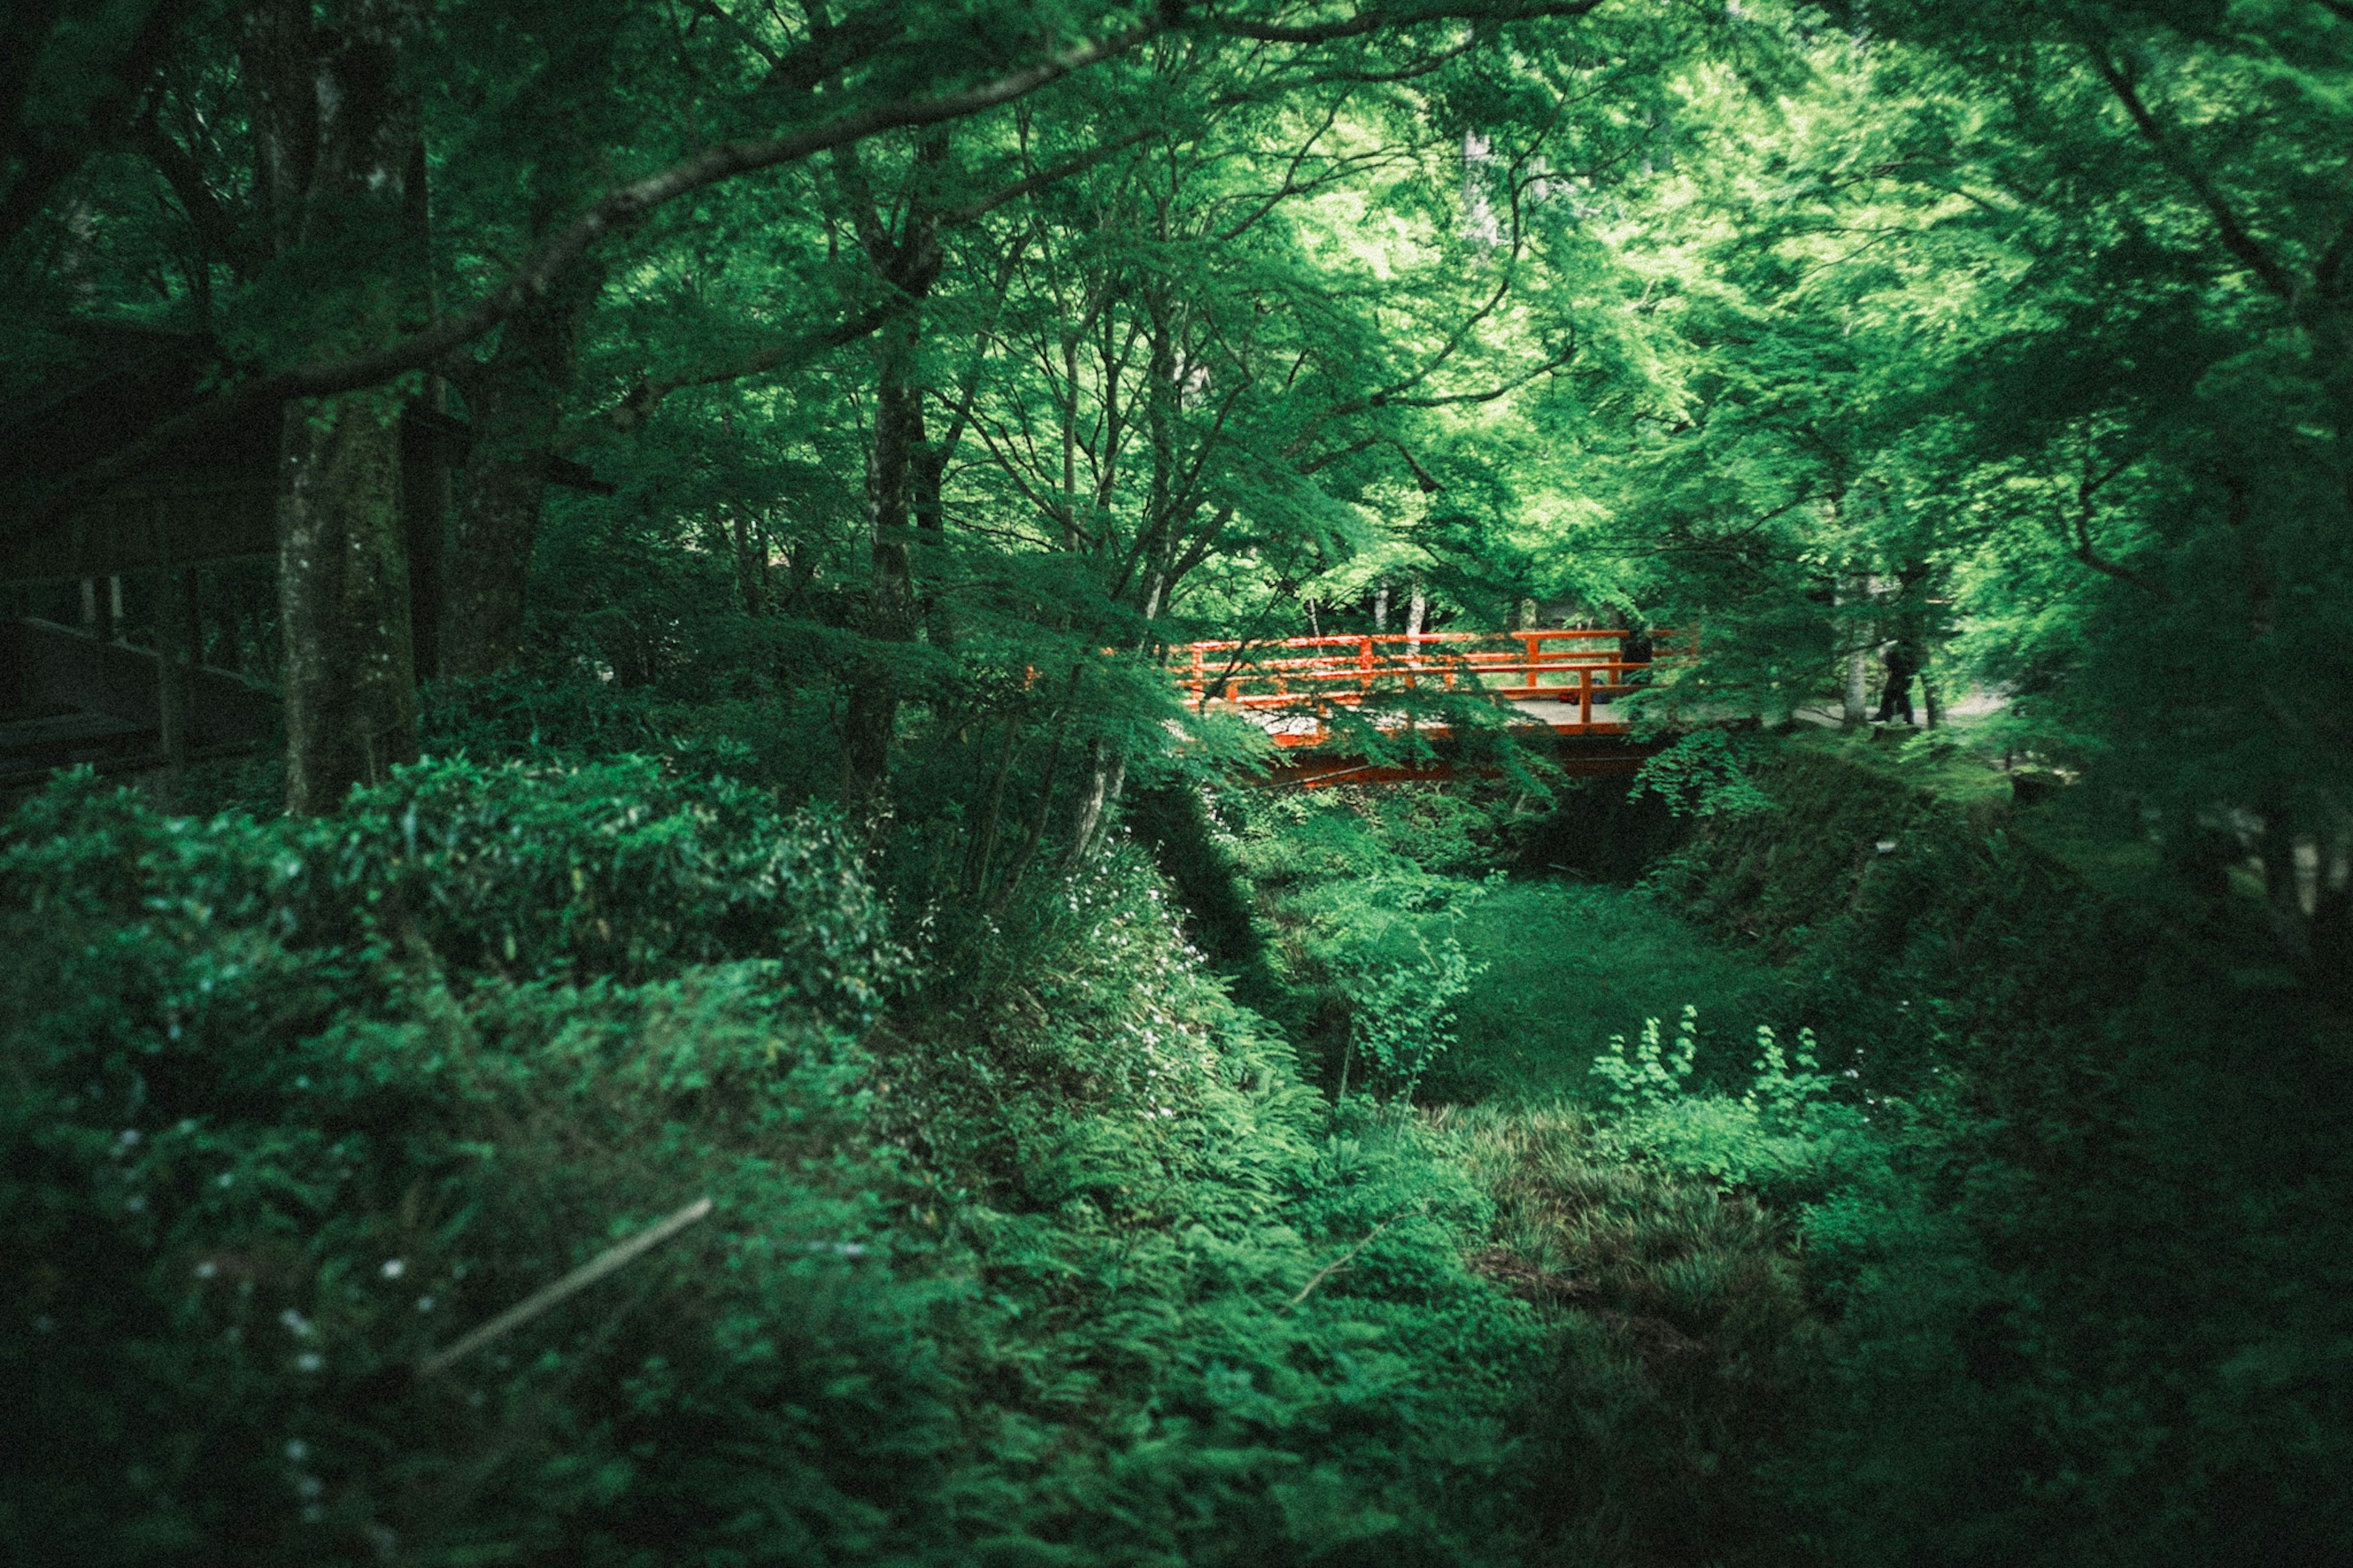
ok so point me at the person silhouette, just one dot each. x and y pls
(1902, 662)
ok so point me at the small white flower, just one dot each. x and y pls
(297, 1449)
(207, 1269)
(296, 1323)
(424, 1303)
(310, 1361)
(394, 1267)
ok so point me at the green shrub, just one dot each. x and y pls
(1049, 1258)
(277, 1124)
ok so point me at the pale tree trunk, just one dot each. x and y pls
(1106, 775)
(1416, 610)
(1381, 608)
(1106, 763)
(1855, 707)
(337, 134)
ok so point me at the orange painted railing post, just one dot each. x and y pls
(1318, 672)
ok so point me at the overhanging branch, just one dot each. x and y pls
(618, 209)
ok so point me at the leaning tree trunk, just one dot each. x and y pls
(338, 133)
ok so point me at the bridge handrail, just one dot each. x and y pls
(1361, 658)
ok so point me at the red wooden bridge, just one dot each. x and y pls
(1572, 681)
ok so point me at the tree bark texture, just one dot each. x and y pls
(908, 263)
(350, 676)
(512, 402)
(1857, 674)
(337, 137)
(871, 721)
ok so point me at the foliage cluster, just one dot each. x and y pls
(1368, 891)
(1055, 1262)
(2026, 1197)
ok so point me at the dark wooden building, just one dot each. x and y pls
(108, 610)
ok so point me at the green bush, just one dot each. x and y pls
(1048, 1259)
(2076, 1254)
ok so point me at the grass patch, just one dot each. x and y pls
(1567, 965)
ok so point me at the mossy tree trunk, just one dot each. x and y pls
(350, 675)
(906, 259)
(512, 401)
(338, 137)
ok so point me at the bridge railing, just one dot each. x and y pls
(1583, 666)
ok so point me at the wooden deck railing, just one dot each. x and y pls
(1578, 667)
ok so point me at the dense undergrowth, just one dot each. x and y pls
(1866, 1239)
(1053, 1263)
(2092, 1318)
(1994, 1115)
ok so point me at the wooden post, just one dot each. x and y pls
(1364, 665)
(1585, 699)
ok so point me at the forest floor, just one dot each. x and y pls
(1566, 966)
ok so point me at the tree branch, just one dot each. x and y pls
(128, 78)
(638, 405)
(1375, 19)
(618, 209)
(180, 169)
(1043, 178)
(2236, 237)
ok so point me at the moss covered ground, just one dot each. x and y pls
(1565, 966)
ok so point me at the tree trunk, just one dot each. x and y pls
(750, 545)
(908, 261)
(512, 401)
(1381, 608)
(337, 133)
(1858, 656)
(424, 521)
(1417, 612)
(350, 676)
(1106, 775)
(175, 635)
(872, 723)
